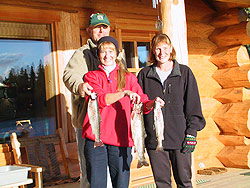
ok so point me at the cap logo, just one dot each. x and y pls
(100, 17)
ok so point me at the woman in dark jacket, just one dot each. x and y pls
(176, 84)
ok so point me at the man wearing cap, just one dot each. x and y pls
(83, 60)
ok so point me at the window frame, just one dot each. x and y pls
(136, 36)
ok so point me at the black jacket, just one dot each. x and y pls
(182, 111)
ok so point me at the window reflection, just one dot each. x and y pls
(143, 52)
(24, 106)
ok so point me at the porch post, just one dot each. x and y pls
(174, 25)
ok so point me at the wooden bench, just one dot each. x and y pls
(42, 151)
(7, 158)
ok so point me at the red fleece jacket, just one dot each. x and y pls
(115, 118)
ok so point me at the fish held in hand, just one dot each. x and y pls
(95, 118)
(158, 125)
(139, 134)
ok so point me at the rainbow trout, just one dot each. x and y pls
(139, 134)
(158, 125)
(94, 118)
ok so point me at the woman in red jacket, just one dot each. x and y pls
(116, 90)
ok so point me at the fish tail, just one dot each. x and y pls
(142, 163)
(159, 148)
(98, 144)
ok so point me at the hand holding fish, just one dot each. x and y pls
(84, 89)
(160, 101)
(151, 103)
(134, 97)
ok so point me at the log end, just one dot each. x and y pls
(243, 56)
(248, 76)
(246, 141)
(248, 120)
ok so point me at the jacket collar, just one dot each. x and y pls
(91, 43)
(175, 72)
(92, 46)
(101, 68)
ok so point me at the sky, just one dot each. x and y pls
(20, 53)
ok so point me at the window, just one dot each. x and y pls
(136, 54)
(129, 53)
(27, 92)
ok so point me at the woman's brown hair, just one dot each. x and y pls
(160, 37)
(121, 79)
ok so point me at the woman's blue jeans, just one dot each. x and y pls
(118, 159)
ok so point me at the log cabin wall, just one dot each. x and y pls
(200, 49)
(232, 59)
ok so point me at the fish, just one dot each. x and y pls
(95, 118)
(139, 133)
(158, 125)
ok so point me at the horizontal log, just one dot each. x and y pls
(201, 150)
(231, 35)
(196, 45)
(233, 95)
(203, 71)
(233, 118)
(233, 77)
(231, 140)
(225, 6)
(207, 85)
(101, 5)
(210, 130)
(229, 17)
(25, 14)
(203, 29)
(201, 163)
(240, 2)
(136, 27)
(116, 16)
(209, 106)
(142, 24)
(202, 12)
(235, 156)
(230, 57)
(41, 5)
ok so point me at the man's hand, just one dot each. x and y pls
(84, 89)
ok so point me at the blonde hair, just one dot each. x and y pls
(121, 79)
(160, 37)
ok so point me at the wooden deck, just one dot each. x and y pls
(140, 176)
(233, 178)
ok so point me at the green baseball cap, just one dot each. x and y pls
(99, 19)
